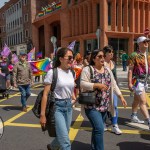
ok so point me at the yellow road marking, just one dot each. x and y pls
(148, 100)
(14, 106)
(37, 85)
(75, 128)
(24, 125)
(123, 131)
(16, 117)
(125, 91)
(9, 97)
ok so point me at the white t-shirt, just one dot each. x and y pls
(65, 83)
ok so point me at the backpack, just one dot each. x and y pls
(51, 99)
(37, 106)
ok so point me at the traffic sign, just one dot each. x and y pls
(146, 31)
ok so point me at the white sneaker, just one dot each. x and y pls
(116, 130)
(105, 127)
(135, 119)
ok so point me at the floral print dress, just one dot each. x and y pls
(102, 97)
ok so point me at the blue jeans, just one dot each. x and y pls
(25, 93)
(115, 119)
(96, 119)
(63, 118)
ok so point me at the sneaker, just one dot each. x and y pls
(116, 130)
(24, 109)
(135, 119)
(105, 127)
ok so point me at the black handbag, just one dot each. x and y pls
(50, 107)
(87, 97)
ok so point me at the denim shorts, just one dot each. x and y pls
(140, 88)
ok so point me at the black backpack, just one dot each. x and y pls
(37, 106)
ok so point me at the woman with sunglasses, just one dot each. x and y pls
(64, 99)
(103, 83)
(108, 53)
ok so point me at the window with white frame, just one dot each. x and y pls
(25, 2)
(26, 18)
(26, 33)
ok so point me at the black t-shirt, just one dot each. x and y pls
(4, 67)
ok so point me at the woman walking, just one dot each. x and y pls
(108, 53)
(103, 84)
(64, 99)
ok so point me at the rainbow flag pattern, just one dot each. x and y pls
(58, 5)
(41, 14)
(40, 67)
(49, 10)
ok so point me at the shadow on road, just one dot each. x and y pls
(8, 108)
(133, 146)
(79, 145)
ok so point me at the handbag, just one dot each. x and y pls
(50, 107)
(87, 97)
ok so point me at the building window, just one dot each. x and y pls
(26, 33)
(109, 13)
(25, 2)
(20, 20)
(69, 1)
(98, 14)
(26, 18)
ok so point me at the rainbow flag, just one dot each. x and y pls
(135, 82)
(39, 55)
(40, 67)
(49, 10)
(58, 5)
(41, 14)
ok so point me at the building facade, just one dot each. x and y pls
(117, 22)
(16, 18)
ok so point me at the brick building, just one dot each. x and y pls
(16, 18)
(120, 22)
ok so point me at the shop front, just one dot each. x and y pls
(119, 45)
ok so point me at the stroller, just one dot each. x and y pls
(3, 89)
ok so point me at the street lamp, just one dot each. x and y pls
(98, 31)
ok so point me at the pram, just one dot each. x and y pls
(3, 89)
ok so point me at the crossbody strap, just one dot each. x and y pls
(54, 80)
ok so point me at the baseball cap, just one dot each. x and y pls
(23, 53)
(142, 39)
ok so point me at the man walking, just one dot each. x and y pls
(139, 70)
(124, 61)
(22, 77)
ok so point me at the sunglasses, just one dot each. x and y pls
(69, 58)
(110, 51)
(100, 56)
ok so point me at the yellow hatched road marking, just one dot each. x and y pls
(14, 106)
(9, 97)
(16, 117)
(75, 128)
(148, 99)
